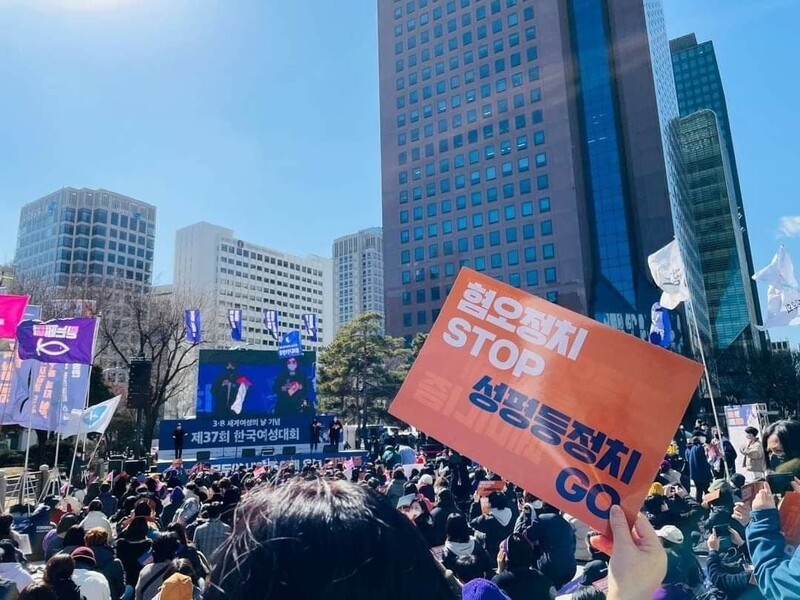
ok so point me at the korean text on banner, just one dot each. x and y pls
(12, 309)
(569, 409)
(57, 341)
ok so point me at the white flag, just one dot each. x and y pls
(94, 419)
(783, 295)
(783, 308)
(779, 272)
(666, 267)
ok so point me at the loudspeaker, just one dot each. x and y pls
(290, 449)
(134, 467)
(139, 375)
(267, 451)
(203, 455)
(330, 448)
(115, 464)
(248, 453)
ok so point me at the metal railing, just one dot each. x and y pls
(16, 490)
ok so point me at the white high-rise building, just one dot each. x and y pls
(232, 273)
(357, 275)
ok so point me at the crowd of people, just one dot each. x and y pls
(442, 528)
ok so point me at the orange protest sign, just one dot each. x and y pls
(573, 411)
(485, 488)
(790, 518)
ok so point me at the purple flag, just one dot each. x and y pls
(57, 341)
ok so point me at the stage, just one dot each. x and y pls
(226, 463)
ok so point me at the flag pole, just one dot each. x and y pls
(708, 384)
(58, 433)
(85, 405)
(27, 456)
(102, 437)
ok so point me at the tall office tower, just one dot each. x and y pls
(698, 85)
(357, 275)
(87, 237)
(537, 142)
(720, 239)
(214, 267)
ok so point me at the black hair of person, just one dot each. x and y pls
(182, 566)
(588, 592)
(58, 568)
(466, 568)
(323, 540)
(519, 551)
(75, 536)
(165, 547)
(38, 591)
(788, 434)
(457, 528)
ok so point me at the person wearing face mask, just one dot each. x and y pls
(225, 390)
(529, 509)
(782, 444)
(292, 388)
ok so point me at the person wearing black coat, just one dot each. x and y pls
(699, 468)
(108, 500)
(461, 542)
(515, 577)
(497, 525)
(443, 509)
(554, 541)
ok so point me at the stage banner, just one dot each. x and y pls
(573, 411)
(251, 431)
(50, 390)
(234, 384)
(738, 418)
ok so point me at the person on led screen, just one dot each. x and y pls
(292, 388)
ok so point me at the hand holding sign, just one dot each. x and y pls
(570, 410)
(639, 562)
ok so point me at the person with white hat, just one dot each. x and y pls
(682, 565)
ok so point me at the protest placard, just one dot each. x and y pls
(569, 409)
(790, 518)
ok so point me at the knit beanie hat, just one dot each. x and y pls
(482, 589)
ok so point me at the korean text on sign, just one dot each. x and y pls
(571, 410)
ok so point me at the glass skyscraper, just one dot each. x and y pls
(87, 237)
(698, 85)
(528, 140)
(719, 237)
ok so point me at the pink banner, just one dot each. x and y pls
(12, 309)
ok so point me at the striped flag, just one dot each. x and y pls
(193, 326)
(235, 321)
(310, 325)
(272, 323)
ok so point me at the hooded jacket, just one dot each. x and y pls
(497, 526)
(453, 550)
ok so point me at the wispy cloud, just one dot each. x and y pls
(789, 227)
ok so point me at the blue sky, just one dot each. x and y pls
(262, 115)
